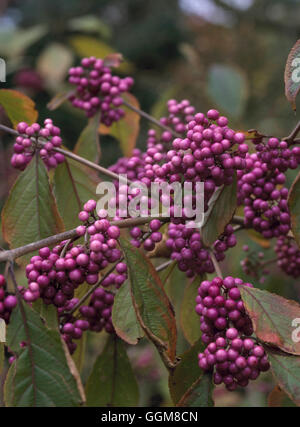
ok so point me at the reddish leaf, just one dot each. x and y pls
(292, 74)
(272, 317)
(286, 370)
(18, 106)
(113, 60)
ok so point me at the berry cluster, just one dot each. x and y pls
(98, 90)
(277, 154)
(55, 274)
(288, 256)
(210, 152)
(188, 250)
(27, 143)
(266, 208)
(7, 302)
(226, 331)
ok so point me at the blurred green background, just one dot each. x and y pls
(225, 54)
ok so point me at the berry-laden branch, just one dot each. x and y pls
(12, 254)
(69, 154)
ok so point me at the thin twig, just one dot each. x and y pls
(291, 137)
(71, 234)
(216, 264)
(151, 119)
(163, 266)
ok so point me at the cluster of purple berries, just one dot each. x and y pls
(27, 143)
(226, 330)
(188, 250)
(277, 154)
(55, 274)
(98, 90)
(266, 208)
(210, 152)
(288, 256)
(7, 302)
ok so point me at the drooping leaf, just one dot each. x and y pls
(292, 74)
(294, 208)
(112, 381)
(286, 370)
(227, 86)
(222, 206)
(272, 318)
(186, 372)
(40, 375)
(92, 46)
(88, 145)
(124, 317)
(189, 320)
(127, 129)
(153, 308)
(18, 107)
(73, 185)
(30, 212)
(53, 63)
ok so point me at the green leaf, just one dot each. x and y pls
(127, 129)
(286, 371)
(53, 64)
(90, 23)
(48, 313)
(227, 86)
(87, 145)
(92, 46)
(40, 376)
(124, 317)
(73, 185)
(272, 318)
(18, 107)
(292, 74)
(222, 206)
(79, 354)
(112, 381)
(199, 394)
(189, 320)
(294, 208)
(2, 356)
(17, 41)
(186, 372)
(153, 308)
(30, 212)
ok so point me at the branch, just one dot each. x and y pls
(291, 138)
(12, 254)
(151, 119)
(216, 264)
